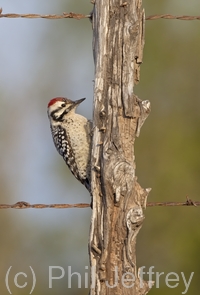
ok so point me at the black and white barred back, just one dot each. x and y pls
(63, 146)
(71, 134)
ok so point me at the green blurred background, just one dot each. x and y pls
(41, 59)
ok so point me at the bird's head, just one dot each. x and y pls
(59, 107)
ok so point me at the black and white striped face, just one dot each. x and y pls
(59, 107)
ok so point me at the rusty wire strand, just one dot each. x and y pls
(25, 205)
(169, 16)
(45, 16)
(81, 16)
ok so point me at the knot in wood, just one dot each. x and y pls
(134, 216)
(123, 179)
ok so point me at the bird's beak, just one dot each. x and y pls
(77, 102)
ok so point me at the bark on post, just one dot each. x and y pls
(118, 199)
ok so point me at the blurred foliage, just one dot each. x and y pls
(41, 59)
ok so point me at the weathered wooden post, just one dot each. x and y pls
(118, 199)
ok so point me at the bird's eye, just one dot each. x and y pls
(63, 105)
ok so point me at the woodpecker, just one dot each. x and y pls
(71, 134)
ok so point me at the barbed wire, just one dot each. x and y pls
(169, 16)
(45, 16)
(25, 205)
(79, 16)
